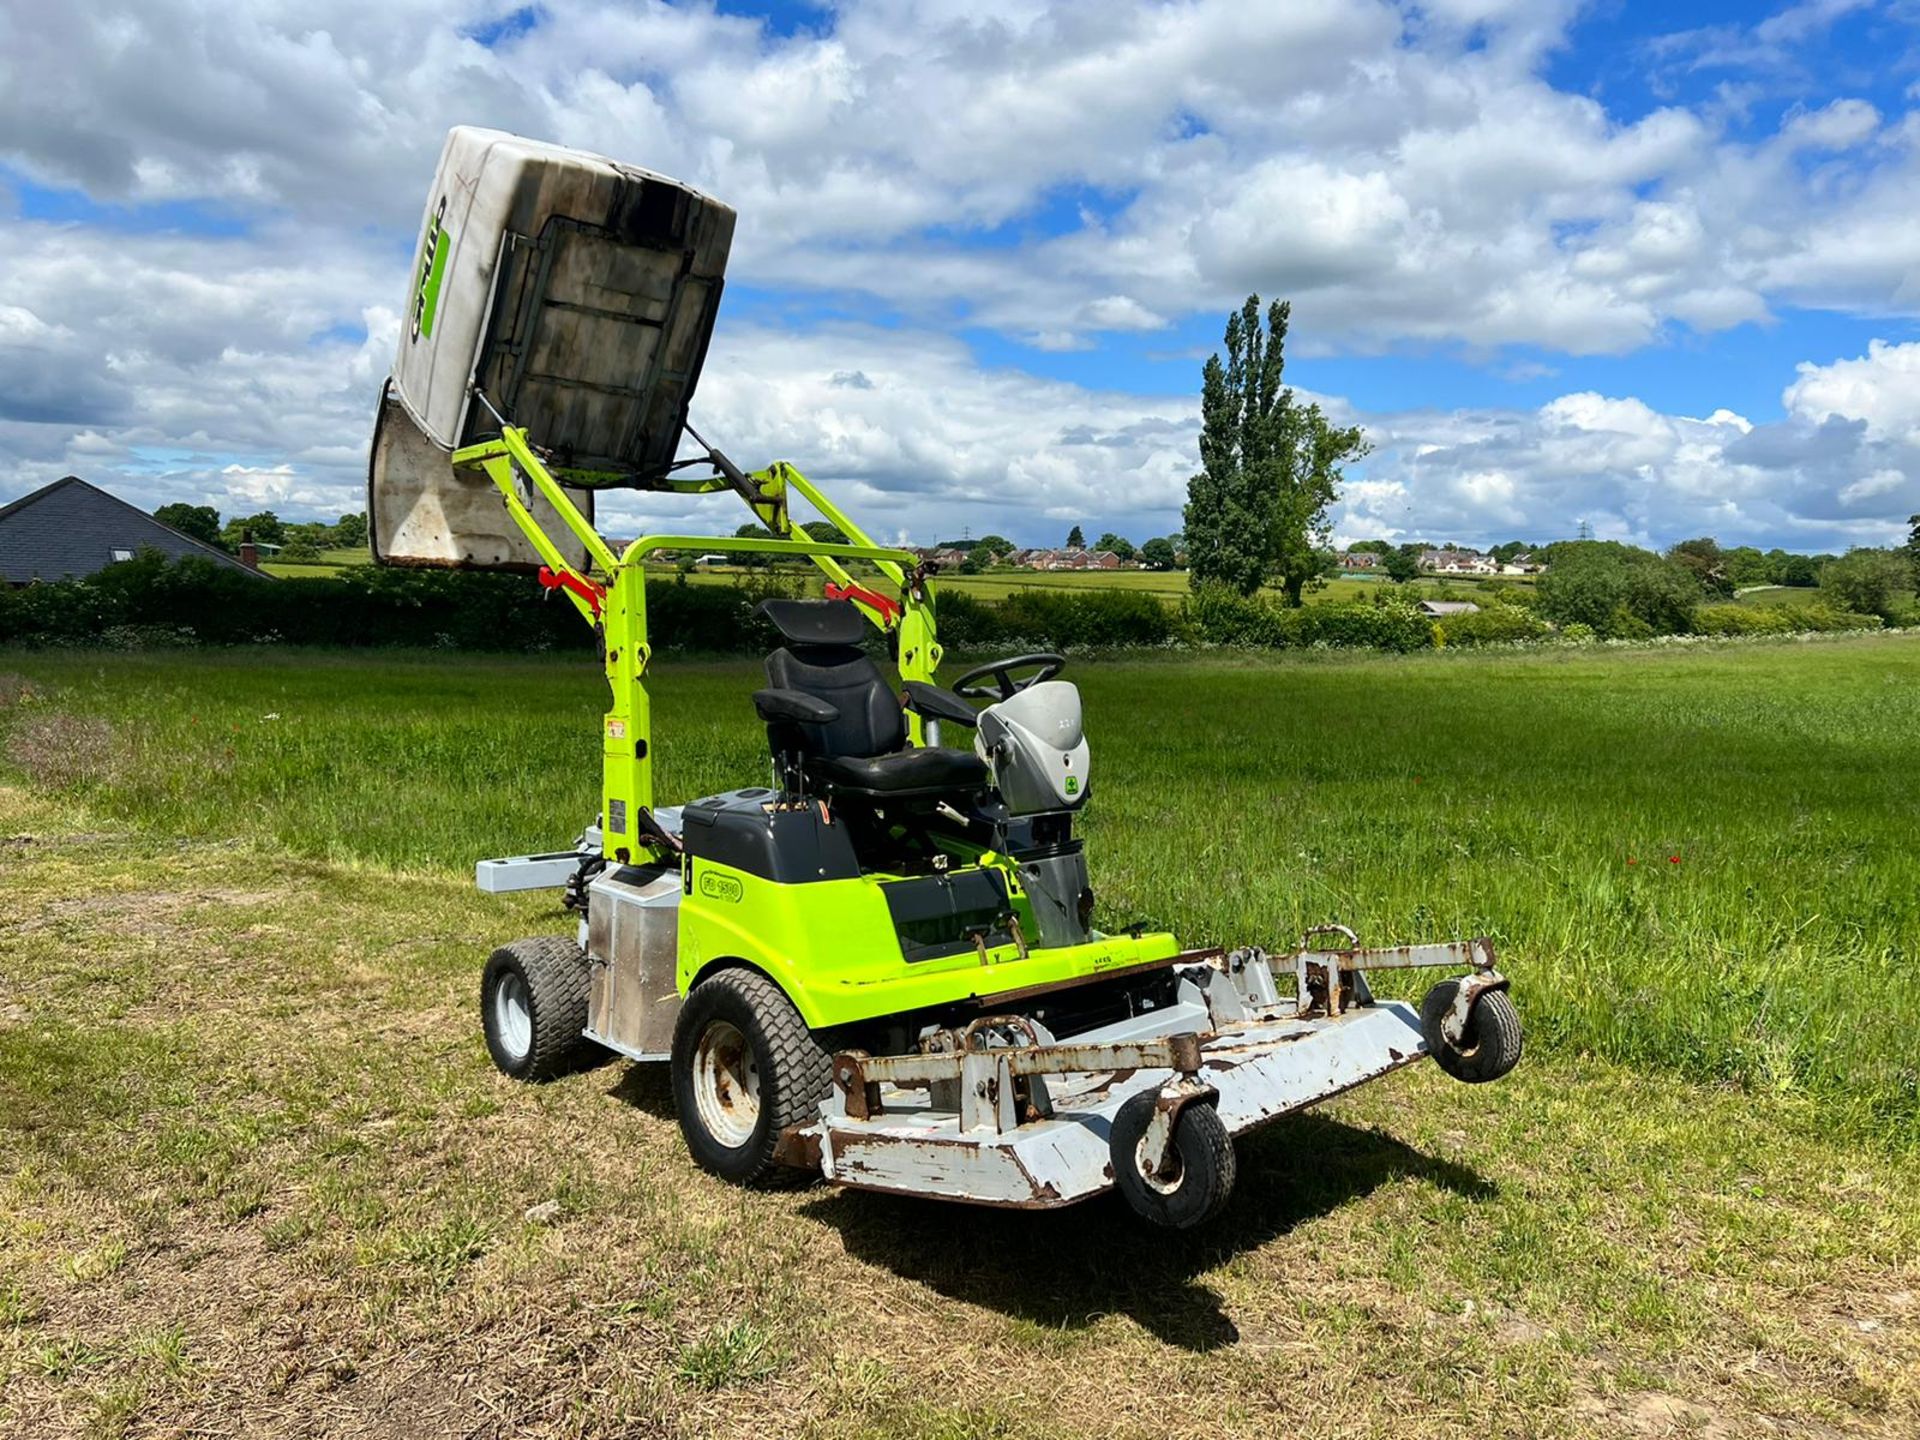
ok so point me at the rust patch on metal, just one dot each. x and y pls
(799, 1150)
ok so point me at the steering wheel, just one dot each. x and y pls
(972, 685)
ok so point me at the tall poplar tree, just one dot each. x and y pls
(1270, 466)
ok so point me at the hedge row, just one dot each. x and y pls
(1778, 620)
(150, 601)
(1221, 617)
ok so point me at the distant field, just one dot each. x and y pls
(1788, 595)
(331, 562)
(1170, 586)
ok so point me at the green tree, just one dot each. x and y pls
(1118, 544)
(1158, 553)
(350, 531)
(1869, 581)
(1371, 547)
(1618, 590)
(1746, 566)
(748, 558)
(1702, 559)
(974, 562)
(825, 531)
(1799, 571)
(1403, 564)
(1913, 548)
(1076, 540)
(995, 545)
(266, 528)
(202, 522)
(1270, 466)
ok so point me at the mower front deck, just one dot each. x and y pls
(1261, 1071)
(1003, 1114)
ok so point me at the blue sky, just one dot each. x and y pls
(1648, 269)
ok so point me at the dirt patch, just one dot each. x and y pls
(1650, 1413)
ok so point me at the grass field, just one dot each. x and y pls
(331, 562)
(257, 1175)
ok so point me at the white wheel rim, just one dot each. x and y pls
(726, 1085)
(1163, 1183)
(513, 1015)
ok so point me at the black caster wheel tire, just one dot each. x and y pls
(1204, 1164)
(1491, 1043)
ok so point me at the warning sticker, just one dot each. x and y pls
(616, 729)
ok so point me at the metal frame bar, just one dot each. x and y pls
(615, 600)
(1332, 967)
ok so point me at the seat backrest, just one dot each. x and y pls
(870, 721)
(822, 657)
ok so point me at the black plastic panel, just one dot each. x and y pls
(791, 846)
(940, 915)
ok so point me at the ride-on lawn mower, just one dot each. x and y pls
(884, 965)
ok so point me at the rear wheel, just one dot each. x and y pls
(1196, 1180)
(745, 1068)
(1489, 1045)
(533, 1007)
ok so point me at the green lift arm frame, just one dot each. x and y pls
(614, 601)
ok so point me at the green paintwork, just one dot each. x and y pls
(433, 262)
(830, 944)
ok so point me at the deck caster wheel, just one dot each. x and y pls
(745, 1067)
(1490, 1042)
(533, 1007)
(1196, 1181)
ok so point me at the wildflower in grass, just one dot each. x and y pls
(1673, 859)
(1632, 861)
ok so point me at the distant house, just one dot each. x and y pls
(71, 529)
(1457, 562)
(1522, 564)
(947, 559)
(1440, 609)
(1358, 560)
(1102, 560)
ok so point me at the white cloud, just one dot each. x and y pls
(1403, 175)
(1842, 467)
(1881, 387)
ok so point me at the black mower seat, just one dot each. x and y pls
(904, 774)
(833, 716)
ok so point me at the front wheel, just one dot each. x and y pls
(745, 1068)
